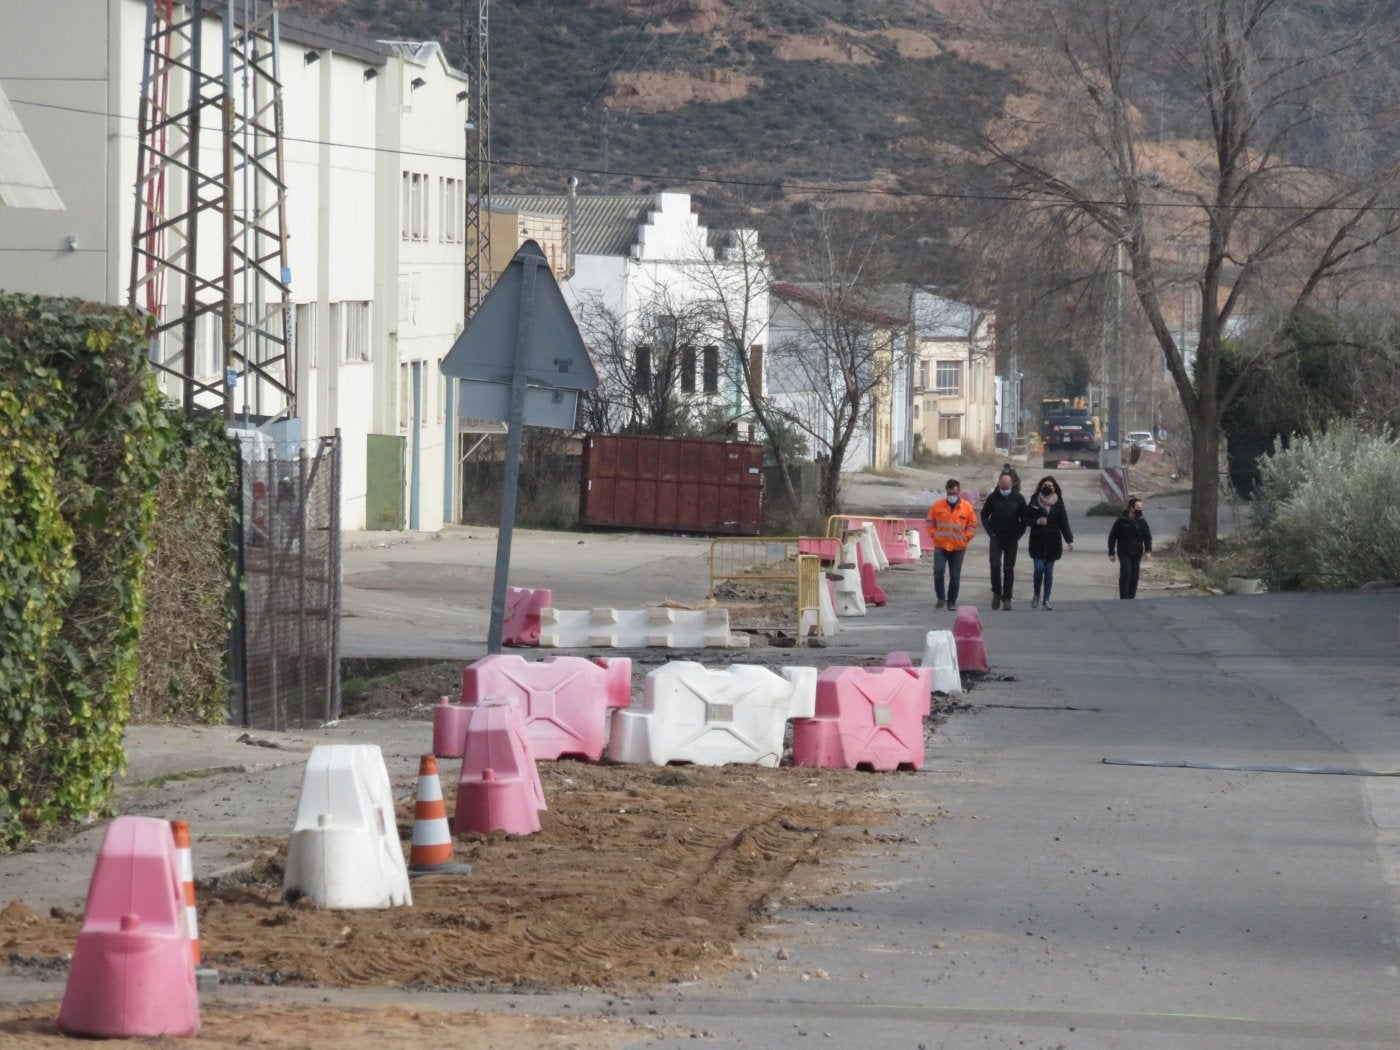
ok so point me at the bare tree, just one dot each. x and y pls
(833, 370)
(1242, 145)
(649, 363)
(734, 282)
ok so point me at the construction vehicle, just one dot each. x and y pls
(1069, 432)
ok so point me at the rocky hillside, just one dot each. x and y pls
(744, 102)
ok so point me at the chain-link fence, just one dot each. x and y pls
(286, 639)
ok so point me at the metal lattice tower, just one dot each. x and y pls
(478, 173)
(231, 303)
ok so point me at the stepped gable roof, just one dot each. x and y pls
(607, 225)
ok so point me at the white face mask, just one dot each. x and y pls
(1006, 486)
(952, 501)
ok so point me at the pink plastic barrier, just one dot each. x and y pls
(133, 967)
(827, 548)
(500, 787)
(891, 533)
(903, 659)
(874, 594)
(867, 717)
(967, 636)
(564, 700)
(522, 620)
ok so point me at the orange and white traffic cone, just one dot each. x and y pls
(181, 831)
(431, 850)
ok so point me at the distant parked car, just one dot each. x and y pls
(1143, 439)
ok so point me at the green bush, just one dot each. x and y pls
(1325, 511)
(82, 437)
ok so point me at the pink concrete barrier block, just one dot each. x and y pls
(867, 717)
(967, 636)
(873, 592)
(563, 699)
(903, 659)
(891, 534)
(133, 967)
(827, 548)
(450, 727)
(500, 787)
(522, 619)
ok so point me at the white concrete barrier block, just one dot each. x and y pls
(914, 542)
(874, 549)
(638, 628)
(344, 850)
(850, 597)
(713, 717)
(941, 657)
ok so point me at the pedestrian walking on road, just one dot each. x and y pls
(951, 525)
(1050, 536)
(1131, 540)
(1003, 516)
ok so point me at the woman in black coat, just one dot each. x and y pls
(1048, 522)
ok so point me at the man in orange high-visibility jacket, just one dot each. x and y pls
(951, 525)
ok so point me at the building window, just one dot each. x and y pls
(949, 427)
(925, 377)
(712, 370)
(451, 196)
(641, 382)
(305, 320)
(756, 369)
(687, 370)
(948, 378)
(354, 333)
(414, 218)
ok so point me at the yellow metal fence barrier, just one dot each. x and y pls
(772, 560)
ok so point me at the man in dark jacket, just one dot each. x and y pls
(1130, 540)
(1003, 514)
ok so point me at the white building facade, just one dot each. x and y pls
(634, 255)
(373, 153)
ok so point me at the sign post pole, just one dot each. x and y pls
(515, 432)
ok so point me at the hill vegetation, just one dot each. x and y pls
(750, 107)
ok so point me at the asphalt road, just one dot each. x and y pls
(1033, 895)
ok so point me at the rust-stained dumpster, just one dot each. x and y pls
(685, 484)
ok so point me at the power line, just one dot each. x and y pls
(767, 184)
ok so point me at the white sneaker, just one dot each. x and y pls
(1046, 607)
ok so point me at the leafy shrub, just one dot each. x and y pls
(1325, 510)
(82, 436)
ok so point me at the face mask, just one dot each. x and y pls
(952, 501)
(1047, 492)
(1006, 486)
(1137, 513)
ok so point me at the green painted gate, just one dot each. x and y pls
(384, 481)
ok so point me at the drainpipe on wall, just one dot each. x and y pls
(570, 221)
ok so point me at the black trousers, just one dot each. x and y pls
(1003, 565)
(1128, 575)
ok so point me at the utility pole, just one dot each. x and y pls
(1112, 457)
(478, 165)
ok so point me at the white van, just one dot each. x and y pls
(1143, 439)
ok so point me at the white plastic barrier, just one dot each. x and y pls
(825, 613)
(712, 717)
(941, 658)
(874, 549)
(850, 595)
(639, 628)
(345, 851)
(913, 541)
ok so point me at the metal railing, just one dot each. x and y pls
(776, 562)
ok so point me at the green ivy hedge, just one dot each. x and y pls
(83, 438)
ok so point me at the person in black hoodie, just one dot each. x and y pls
(1049, 525)
(1131, 540)
(1003, 514)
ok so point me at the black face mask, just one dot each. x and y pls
(1047, 492)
